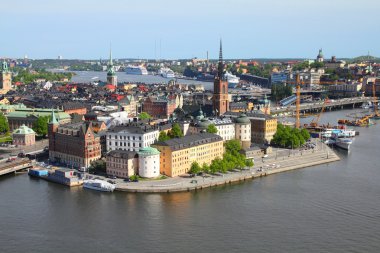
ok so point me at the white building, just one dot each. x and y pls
(226, 127)
(149, 162)
(243, 130)
(131, 136)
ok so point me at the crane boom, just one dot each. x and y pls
(298, 101)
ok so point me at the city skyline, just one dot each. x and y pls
(170, 30)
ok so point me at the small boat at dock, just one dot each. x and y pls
(98, 185)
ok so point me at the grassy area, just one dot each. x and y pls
(5, 138)
(151, 179)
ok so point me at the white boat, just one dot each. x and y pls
(98, 185)
(343, 143)
(136, 70)
(231, 79)
(166, 72)
(328, 133)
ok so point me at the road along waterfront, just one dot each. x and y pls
(275, 163)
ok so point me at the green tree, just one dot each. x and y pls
(195, 168)
(249, 162)
(144, 115)
(205, 168)
(163, 136)
(232, 146)
(305, 134)
(212, 129)
(4, 126)
(40, 126)
(98, 166)
(176, 131)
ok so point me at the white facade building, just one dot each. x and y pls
(149, 162)
(132, 136)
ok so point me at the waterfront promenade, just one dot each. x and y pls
(280, 161)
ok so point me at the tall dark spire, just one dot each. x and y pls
(220, 65)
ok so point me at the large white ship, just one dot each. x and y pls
(231, 79)
(166, 72)
(136, 70)
(98, 185)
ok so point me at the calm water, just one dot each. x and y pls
(328, 208)
(89, 76)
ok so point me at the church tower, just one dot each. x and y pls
(111, 75)
(52, 129)
(220, 97)
(5, 78)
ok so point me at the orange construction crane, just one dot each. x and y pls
(298, 101)
(374, 100)
(315, 121)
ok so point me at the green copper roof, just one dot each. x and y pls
(37, 113)
(243, 119)
(53, 119)
(148, 151)
(23, 130)
(4, 66)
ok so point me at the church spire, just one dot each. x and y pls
(53, 120)
(110, 62)
(220, 65)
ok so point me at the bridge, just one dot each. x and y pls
(14, 166)
(317, 106)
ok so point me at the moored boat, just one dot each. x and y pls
(98, 185)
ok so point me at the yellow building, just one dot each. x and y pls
(178, 154)
(263, 128)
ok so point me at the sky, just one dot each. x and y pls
(177, 29)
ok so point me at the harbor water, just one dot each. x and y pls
(326, 208)
(95, 76)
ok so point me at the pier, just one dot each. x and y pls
(14, 166)
(332, 105)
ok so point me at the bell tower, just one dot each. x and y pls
(5, 78)
(220, 97)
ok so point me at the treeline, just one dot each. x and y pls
(232, 159)
(289, 137)
(25, 76)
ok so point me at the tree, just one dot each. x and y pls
(232, 146)
(144, 115)
(176, 131)
(163, 136)
(212, 129)
(305, 134)
(4, 126)
(98, 166)
(249, 163)
(40, 126)
(205, 168)
(195, 168)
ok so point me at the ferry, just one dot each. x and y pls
(343, 143)
(166, 72)
(98, 185)
(136, 70)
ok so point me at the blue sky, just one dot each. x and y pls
(84, 29)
